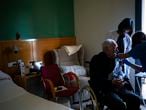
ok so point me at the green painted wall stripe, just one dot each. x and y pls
(36, 18)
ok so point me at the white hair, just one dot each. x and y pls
(108, 43)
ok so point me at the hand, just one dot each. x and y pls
(122, 55)
(140, 69)
(118, 83)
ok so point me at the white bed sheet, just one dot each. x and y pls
(13, 97)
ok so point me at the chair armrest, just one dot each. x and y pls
(48, 84)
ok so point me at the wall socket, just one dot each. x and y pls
(12, 64)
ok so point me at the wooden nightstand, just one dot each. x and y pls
(29, 81)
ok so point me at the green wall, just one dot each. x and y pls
(36, 18)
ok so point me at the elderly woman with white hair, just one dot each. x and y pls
(111, 91)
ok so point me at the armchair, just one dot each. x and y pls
(55, 84)
(71, 59)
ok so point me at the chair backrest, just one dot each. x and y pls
(71, 62)
(62, 58)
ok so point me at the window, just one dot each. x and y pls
(138, 14)
(144, 16)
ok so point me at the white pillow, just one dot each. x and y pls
(70, 50)
(4, 76)
(78, 70)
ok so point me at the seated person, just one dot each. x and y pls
(114, 93)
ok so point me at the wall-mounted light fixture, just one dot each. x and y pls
(15, 49)
(17, 36)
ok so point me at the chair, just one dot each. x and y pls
(55, 84)
(92, 103)
(70, 58)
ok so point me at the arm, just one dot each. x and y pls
(135, 52)
(134, 66)
(123, 55)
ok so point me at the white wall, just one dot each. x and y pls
(94, 18)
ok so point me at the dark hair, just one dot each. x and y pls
(49, 58)
(125, 24)
(138, 38)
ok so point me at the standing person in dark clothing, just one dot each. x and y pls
(138, 51)
(113, 92)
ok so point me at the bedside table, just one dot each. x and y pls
(29, 81)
